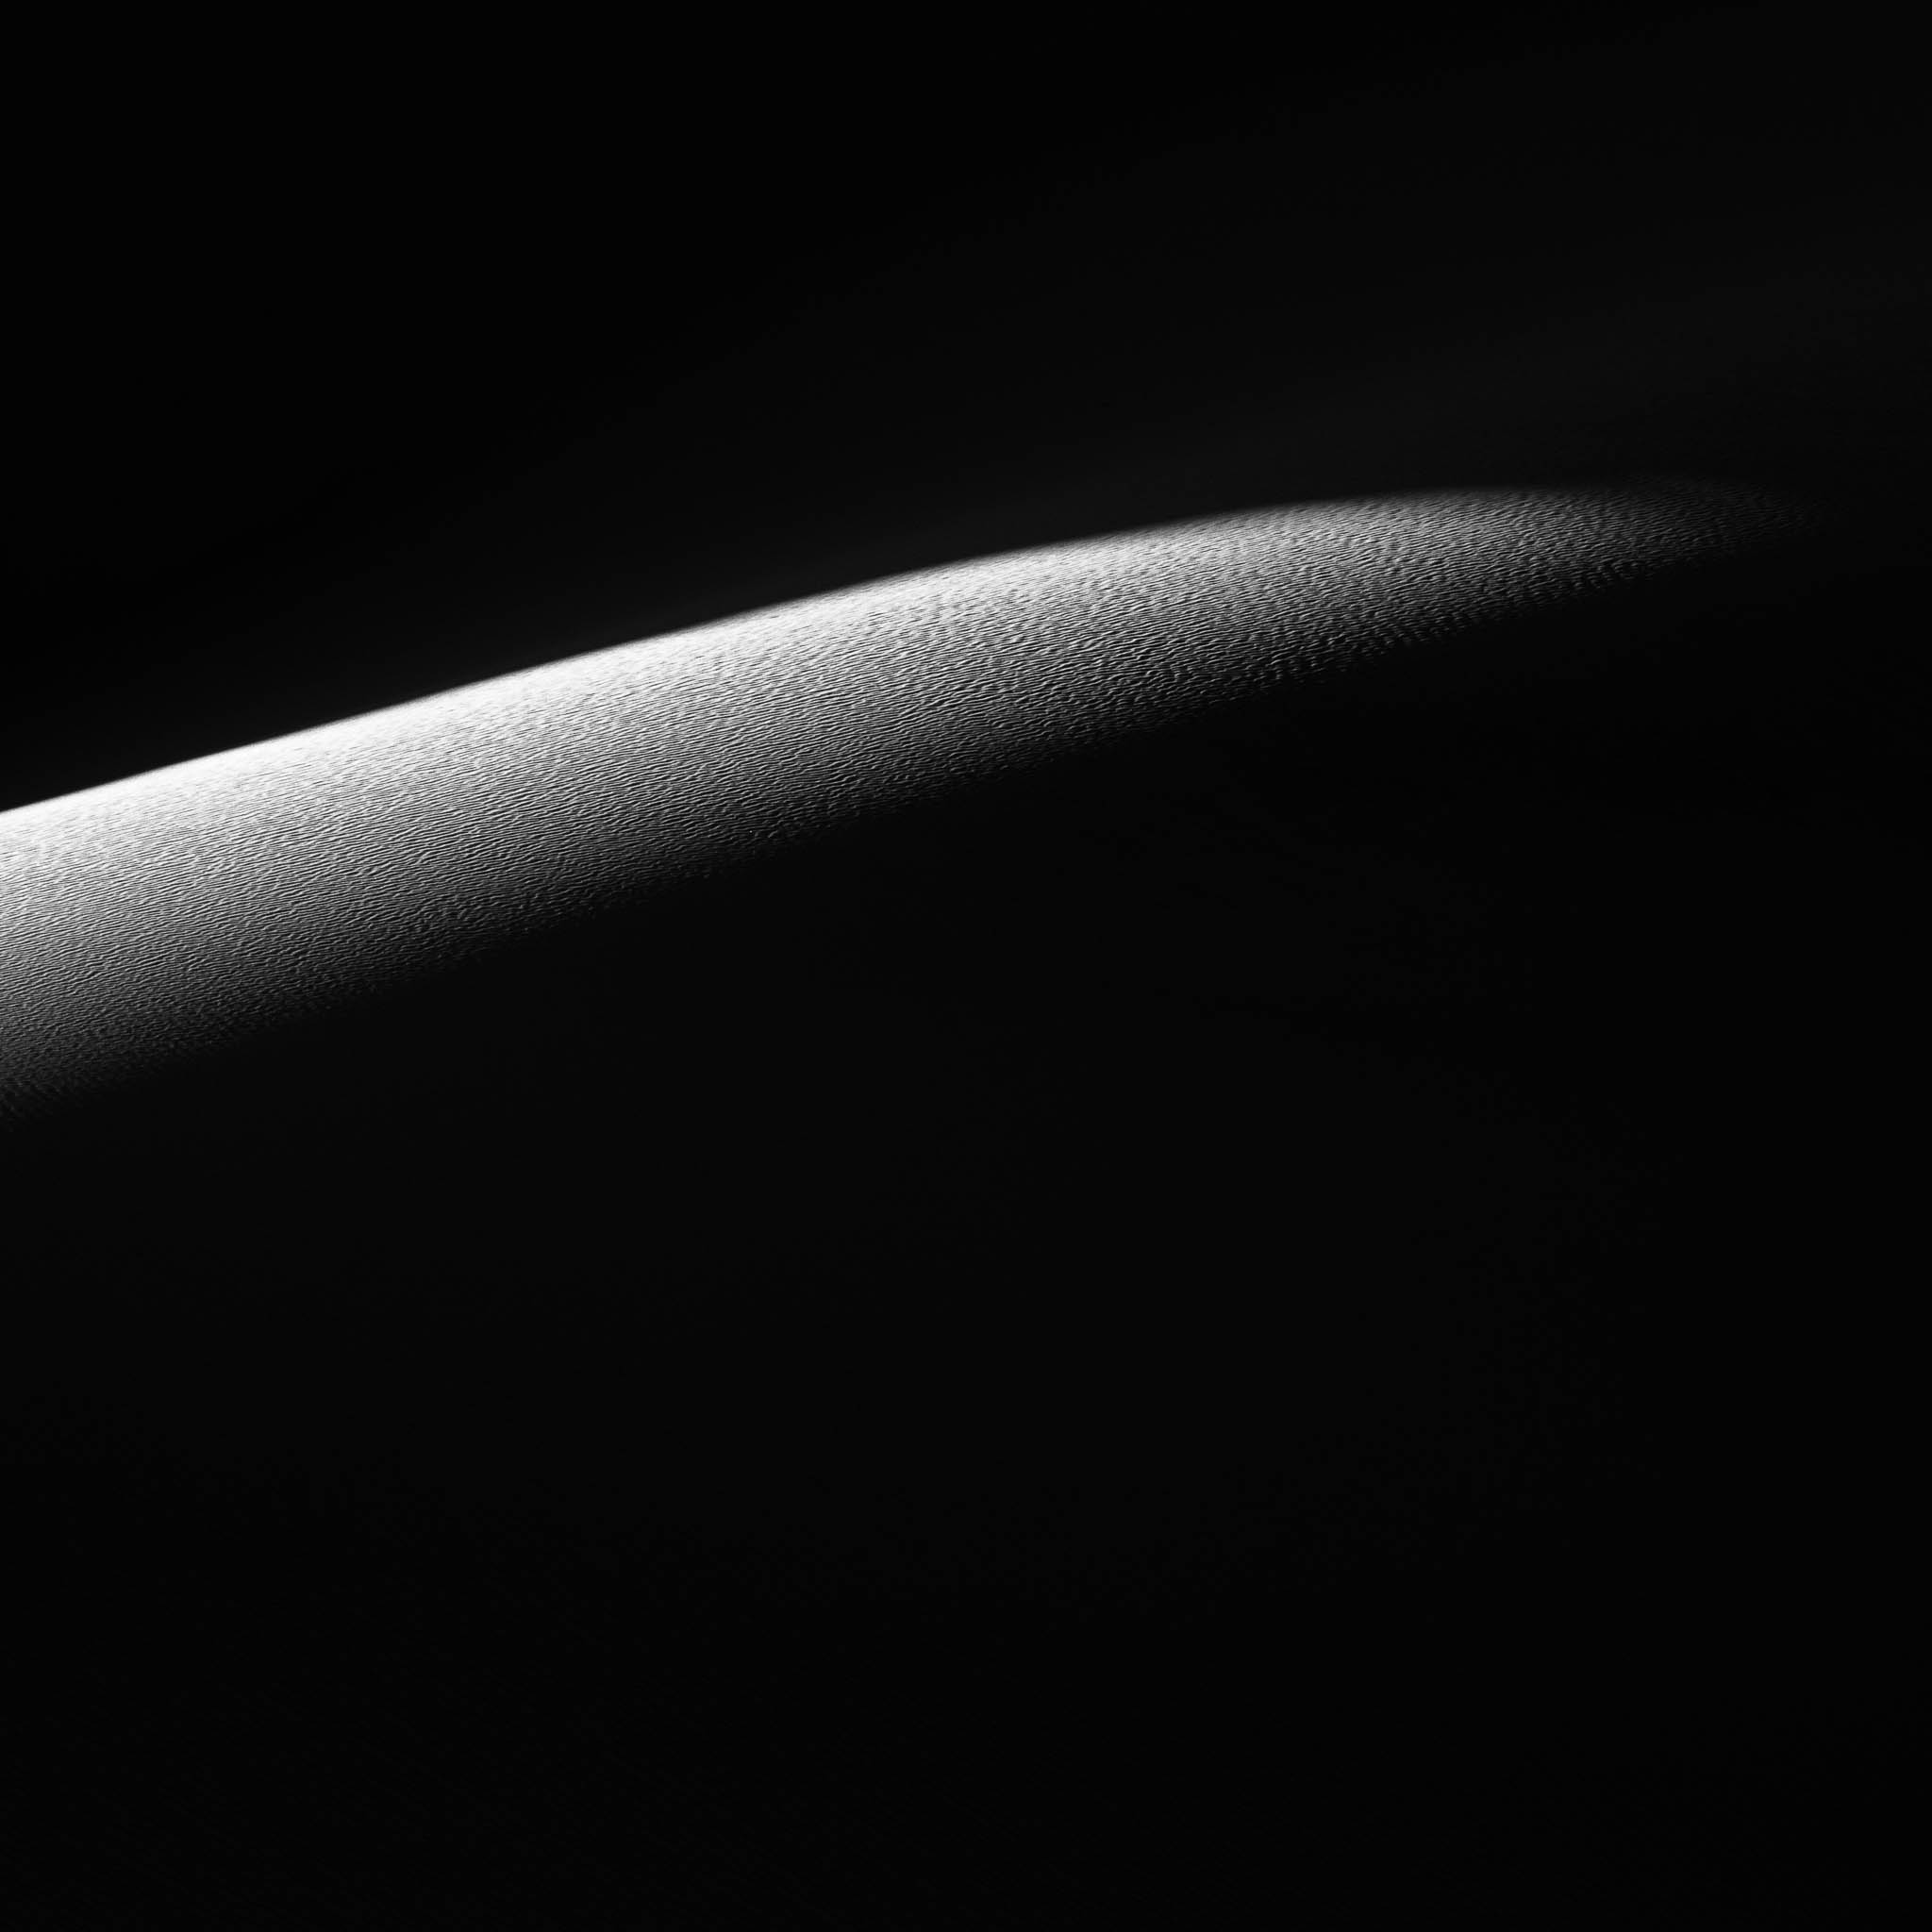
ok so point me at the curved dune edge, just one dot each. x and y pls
(149, 917)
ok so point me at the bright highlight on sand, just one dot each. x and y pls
(142, 919)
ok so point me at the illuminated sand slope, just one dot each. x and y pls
(143, 919)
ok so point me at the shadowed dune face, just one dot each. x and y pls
(1438, 831)
(1069, 1060)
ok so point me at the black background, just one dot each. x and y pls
(711, 326)
(352, 370)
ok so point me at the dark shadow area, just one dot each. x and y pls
(1351, 1251)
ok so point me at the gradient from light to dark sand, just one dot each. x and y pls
(146, 919)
